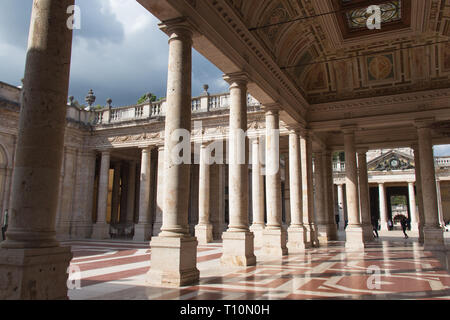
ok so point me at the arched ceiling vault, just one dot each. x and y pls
(325, 47)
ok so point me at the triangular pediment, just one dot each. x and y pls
(391, 161)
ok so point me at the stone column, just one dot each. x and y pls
(238, 247)
(115, 197)
(421, 214)
(330, 196)
(287, 192)
(101, 228)
(296, 231)
(353, 232)
(433, 234)
(83, 202)
(174, 251)
(32, 263)
(341, 204)
(441, 214)
(257, 194)
(143, 230)
(308, 190)
(364, 197)
(383, 207)
(204, 230)
(274, 236)
(157, 222)
(412, 207)
(131, 192)
(217, 205)
(319, 199)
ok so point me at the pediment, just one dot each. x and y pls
(391, 161)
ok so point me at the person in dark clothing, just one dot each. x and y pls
(375, 227)
(404, 224)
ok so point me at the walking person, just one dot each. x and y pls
(5, 225)
(404, 224)
(375, 227)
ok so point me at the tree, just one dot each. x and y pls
(145, 98)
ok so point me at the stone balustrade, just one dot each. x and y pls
(148, 110)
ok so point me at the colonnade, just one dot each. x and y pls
(35, 260)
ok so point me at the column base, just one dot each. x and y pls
(257, 230)
(142, 232)
(433, 239)
(367, 233)
(204, 233)
(173, 262)
(297, 240)
(100, 231)
(326, 233)
(311, 235)
(354, 238)
(34, 274)
(156, 228)
(238, 249)
(274, 242)
(218, 229)
(384, 226)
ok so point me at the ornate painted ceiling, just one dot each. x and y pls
(325, 47)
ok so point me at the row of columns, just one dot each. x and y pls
(35, 261)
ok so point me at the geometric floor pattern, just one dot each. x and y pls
(388, 269)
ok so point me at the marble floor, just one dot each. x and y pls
(390, 268)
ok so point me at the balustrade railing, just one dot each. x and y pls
(148, 110)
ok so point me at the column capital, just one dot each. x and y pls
(237, 79)
(362, 151)
(181, 27)
(295, 128)
(147, 148)
(104, 151)
(349, 129)
(424, 123)
(272, 108)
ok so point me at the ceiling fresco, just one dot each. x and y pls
(325, 47)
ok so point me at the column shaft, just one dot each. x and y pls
(203, 230)
(433, 234)
(308, 189)
(364, 198)
(412, 207)
(257, 194)
(131, 191)
(143, 230)
(341, 204)
(330, 196)
(274, 236)
(421, 214)
(354, 232)
(174, 251)
(238, 247)
(31, 233)
(101, 228)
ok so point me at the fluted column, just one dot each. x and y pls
(412, 207)
(308, 189)
(433, 234)
(353, 232)
(341, 204)
(364, 197)
(383, 207)
(238, 246)
(204, 230)
(257, 194)
(421, 213)
(330, 196)
(174, 251)
(31, 233)
(143, 230)
(101, 228)
(296, 231)
(274, 236)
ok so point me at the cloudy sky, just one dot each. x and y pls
(119, 52)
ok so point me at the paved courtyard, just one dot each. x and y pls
(391, 268)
